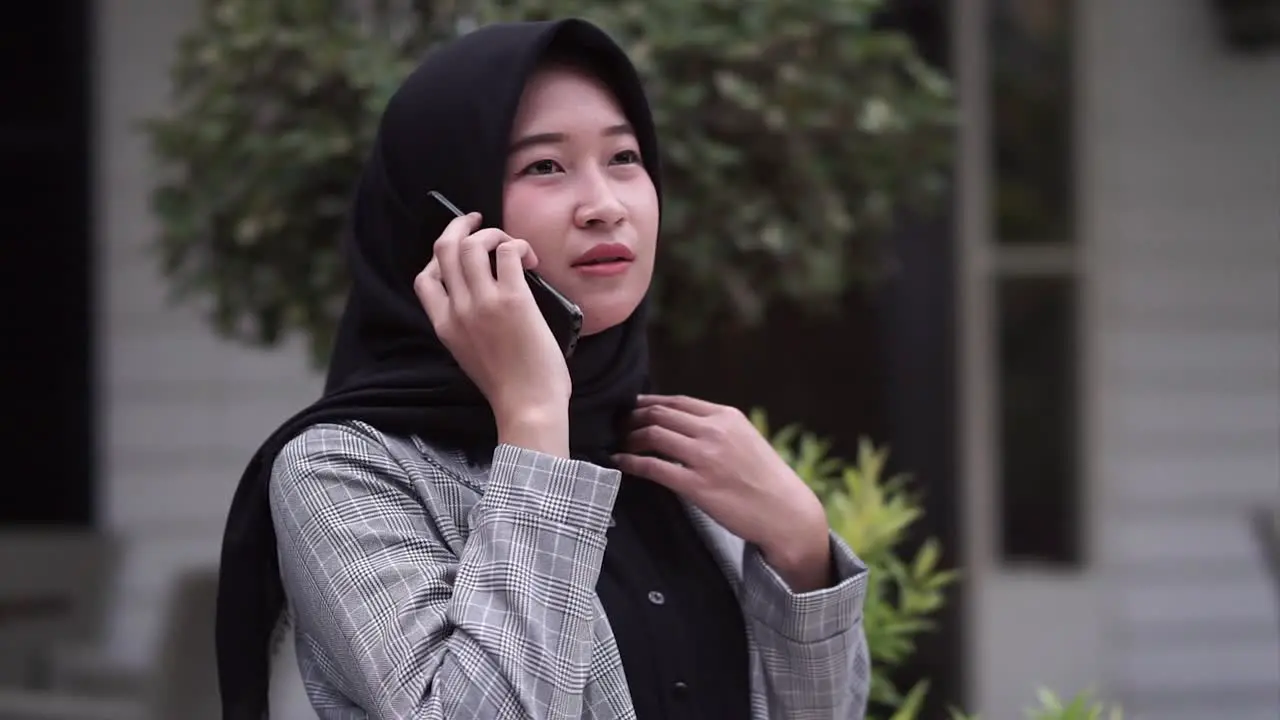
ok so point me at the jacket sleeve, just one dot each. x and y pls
(410, 627)
(812, 645)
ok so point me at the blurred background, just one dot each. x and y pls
(1075, 353)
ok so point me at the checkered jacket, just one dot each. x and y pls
(420, 586)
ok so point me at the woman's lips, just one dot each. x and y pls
(607, 268)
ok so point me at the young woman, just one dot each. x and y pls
(468, 526)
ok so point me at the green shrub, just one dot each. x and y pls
(873, 514)
(794, 135)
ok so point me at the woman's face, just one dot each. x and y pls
(577, 191)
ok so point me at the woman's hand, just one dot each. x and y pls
(716, 459)
(494, 330)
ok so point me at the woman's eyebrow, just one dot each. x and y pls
(553, 138)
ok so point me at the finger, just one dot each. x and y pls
(477, 265)
(691, 405)
(676, 477)
(514, 257)
(664, 441)
(665, 416)
(445, 251)
(431, 293)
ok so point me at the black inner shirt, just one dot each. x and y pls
(677, 621)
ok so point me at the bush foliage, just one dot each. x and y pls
(874, 514)
(795, 133)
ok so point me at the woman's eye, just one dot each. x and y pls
(542, 167)
(627, 157)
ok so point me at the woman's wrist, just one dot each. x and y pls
(802, 554)
(543, 428)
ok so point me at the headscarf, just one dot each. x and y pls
(447, 128)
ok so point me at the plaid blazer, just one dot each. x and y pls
(420, 586)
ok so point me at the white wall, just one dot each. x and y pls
(1180, 180)
(1179, 183)
(180, 411)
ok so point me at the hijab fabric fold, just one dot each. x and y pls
(447, 129)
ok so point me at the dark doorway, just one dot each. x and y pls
(46, 268)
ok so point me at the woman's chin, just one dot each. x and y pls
(600, 316)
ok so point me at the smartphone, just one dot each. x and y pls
(563, 316)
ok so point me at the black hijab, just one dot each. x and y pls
(447, 129)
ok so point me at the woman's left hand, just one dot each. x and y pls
(716, 459)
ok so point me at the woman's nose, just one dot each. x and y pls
(600, 205)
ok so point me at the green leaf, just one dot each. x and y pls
(914, 702)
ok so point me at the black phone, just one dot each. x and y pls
(563, 315)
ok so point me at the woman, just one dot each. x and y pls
(468, 526)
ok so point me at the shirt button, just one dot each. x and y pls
(680, 687)
(656, 597)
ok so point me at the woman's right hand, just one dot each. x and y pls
(494, 330)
